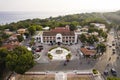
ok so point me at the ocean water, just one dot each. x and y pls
(8, 17)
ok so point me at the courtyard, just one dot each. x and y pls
(77, 62)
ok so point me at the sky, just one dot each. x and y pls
(64, 6)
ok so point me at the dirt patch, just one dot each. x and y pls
(35, 77)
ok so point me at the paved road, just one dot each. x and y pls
(104, 58)
(108, 59)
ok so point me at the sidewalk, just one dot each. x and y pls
(60, 76)
(99, 77)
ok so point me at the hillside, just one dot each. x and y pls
(113, 17)
(72, 20)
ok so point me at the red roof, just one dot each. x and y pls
(10, 46)
(61, 29)
(85, 51)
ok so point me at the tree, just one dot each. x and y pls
(32, 42)
(26, 34)
(83, 38)
(1, 40)
(100, 31)
(91, 39)
(101, 48)
(32, 29)
(90, 30)
(20, 38)
(4, 36)
(20, 60)
(38, 27)
(3, 54)
(104, 35)
(73, 25)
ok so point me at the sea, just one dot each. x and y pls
(9, 17)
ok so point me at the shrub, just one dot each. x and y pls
(113, 78)
(50, 56)
(68, 57)
(95, 71)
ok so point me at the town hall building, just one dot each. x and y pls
(60, 35)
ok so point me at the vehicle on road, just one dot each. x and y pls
(38, 50)
(106, 73)
(113, 71)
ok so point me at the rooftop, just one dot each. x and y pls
(86, 51)
(49, 33)
(61, 29)
(65, 31)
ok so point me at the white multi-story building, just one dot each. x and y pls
(99, 26)
(58, 35)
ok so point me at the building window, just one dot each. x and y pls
(37, 38)
(58, 37)
(53, 37)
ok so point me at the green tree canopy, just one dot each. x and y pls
(83, 38)
(38, 27)
(32, 30)
(104, 35)
(92, 29)
(3, 54)
(20, 60)
(1, 40)
(91, 39)
(101, 47)
(20, 38)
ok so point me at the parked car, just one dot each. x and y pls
(113, 71)
(113, 49)
(38, 50)
(106, 72)
(40, 46)
(113, 52)
(113, 44)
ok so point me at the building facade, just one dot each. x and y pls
(58, 35)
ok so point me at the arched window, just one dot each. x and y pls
(58, 38)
